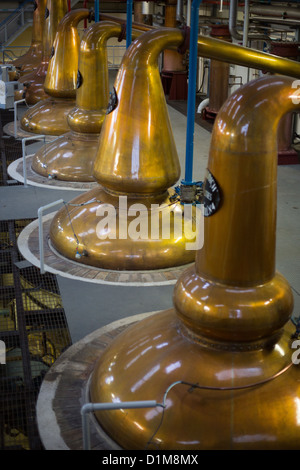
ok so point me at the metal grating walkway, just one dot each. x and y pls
(35, 332)
(33, 326)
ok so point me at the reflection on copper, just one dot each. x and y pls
(32, 58)
(226, 377)
(136, 168)
(49, 116)
(34, 81)
(71, 157)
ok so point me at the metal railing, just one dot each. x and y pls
(13, 22)
(115, 54)
(7, 55)
(91, 407)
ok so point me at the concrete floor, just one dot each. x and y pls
(91, 306)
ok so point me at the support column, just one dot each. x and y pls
(218, 77)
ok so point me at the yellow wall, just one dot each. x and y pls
(24, 39)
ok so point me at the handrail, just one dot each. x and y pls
(17, 10)
(24, 140)
(9, 55)
(91, 407)
(5, 24)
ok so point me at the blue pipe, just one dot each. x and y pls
(128, 23)
(191, 105)
(96, 11)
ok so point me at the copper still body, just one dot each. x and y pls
(49, 116)
(34, 81)
(220, 362)
(137, 161)
(32, 58)
(71, 157)
(136, 165)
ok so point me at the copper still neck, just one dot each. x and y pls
(226, 346)
(38, 21)
(34, 82)
(34, 54)
(92, 93)
(245, 298)
(61, 75)
(242, 139)
(54, 13)
(143, 159)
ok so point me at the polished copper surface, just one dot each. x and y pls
(141, 156)
(219, 49)
(49, 116)
(33, 56)
(71, 157)
(81, 233)
(55, 11)
(156, 355)
(61, 78)
(93, 91)
(235, 54)
(136, 159)
(220, 362)
(136, 154)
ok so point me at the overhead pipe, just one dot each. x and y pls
(284, 12)
(128, 22)
(217, 49)
(233, 24)
(49, 116)
(281, 21)
(226, 346)
(246, 24)
(188, 12)
(179, 12)
(71, 157)
(97, 11)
